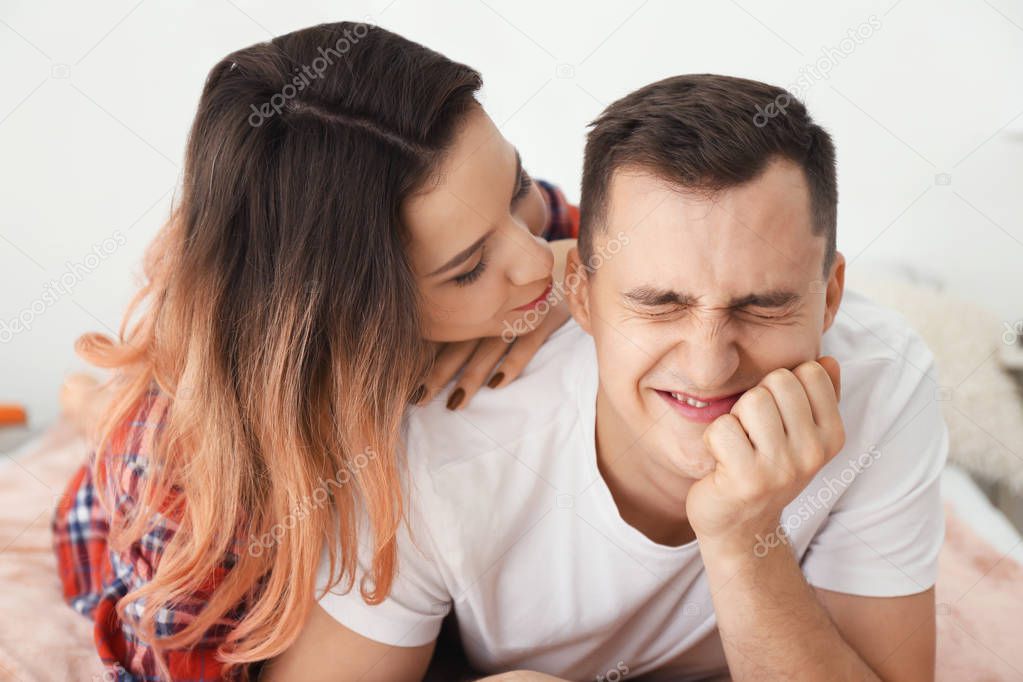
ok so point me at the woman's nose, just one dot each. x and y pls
(531, 259)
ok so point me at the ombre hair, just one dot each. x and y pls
(283, 323)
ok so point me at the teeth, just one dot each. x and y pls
(692, 402)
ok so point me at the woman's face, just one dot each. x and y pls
(477, 263)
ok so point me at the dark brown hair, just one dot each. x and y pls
(283, 323)
(707, 132)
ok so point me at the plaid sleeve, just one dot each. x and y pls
(562, 217)
(95, 578)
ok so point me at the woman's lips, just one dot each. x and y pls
(539, 299)
(711, 409)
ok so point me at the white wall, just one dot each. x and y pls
(98, 97)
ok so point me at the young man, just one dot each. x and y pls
(674, 488)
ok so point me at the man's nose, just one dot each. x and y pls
(710, 355)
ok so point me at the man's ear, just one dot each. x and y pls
(577, 288)
(836, 286)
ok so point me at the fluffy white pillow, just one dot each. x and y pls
(982, 402)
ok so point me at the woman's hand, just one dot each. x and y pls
(493, 360)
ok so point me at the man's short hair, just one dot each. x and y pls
(707, 132)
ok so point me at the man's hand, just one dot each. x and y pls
(769, 447)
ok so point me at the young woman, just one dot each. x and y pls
(351, 225)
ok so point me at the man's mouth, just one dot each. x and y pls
(539, 299)
(701, 410)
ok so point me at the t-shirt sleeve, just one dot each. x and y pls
(883, 536)
(412, 613)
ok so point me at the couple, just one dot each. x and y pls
(674, 484)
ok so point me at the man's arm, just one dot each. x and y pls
(895, 635)
(776, 438)
(327, 651)
(774, 625)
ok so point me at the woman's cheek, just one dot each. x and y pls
(479, 303)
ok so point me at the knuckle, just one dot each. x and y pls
(779, 376)
(782, 382)
(718, 429)
(712, 430)
(811, 371)
(756, 398)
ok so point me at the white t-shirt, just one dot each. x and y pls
(511, 524)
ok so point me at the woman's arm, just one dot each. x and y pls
(327, 651)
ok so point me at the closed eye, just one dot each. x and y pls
(471, 276)
(766, 316)
(663, 312)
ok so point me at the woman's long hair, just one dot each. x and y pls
(283, 323)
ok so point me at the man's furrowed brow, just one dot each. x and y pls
(652, 296)
(768, 299)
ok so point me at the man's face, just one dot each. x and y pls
(700, 299)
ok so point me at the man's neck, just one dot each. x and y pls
(650, 497)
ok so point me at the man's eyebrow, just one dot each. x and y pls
(462, 255)
(769, 299)
(651, 296)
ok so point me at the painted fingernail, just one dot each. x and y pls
(456, 398)
(418, 395)
(495, 380)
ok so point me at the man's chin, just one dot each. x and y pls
(694, 462)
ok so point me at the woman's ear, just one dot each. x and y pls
(836, 285)
(577, 287)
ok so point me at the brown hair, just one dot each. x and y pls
(283, 322)
(707, 132)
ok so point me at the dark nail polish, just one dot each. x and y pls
(456, 398)
(418, 395)
(495, 380)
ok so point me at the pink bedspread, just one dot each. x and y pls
(979, 593)
(41, 638)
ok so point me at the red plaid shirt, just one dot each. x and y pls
(95, 577)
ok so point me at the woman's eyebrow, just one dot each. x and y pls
(462, 255)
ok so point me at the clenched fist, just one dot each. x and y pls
(776, 438)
